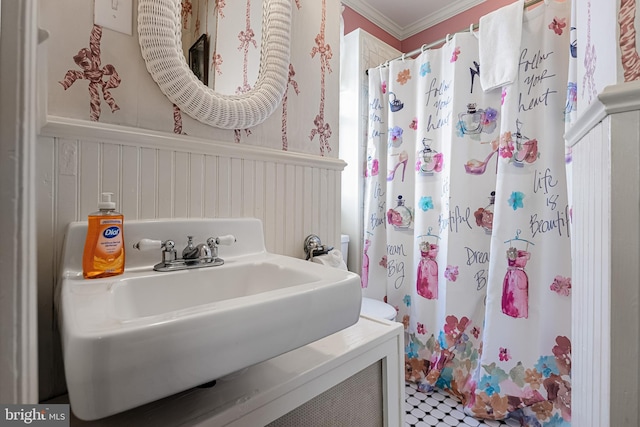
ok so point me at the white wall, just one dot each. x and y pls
(361, 52)
(18, 328)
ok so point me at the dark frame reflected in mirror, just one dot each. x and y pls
(198, 58)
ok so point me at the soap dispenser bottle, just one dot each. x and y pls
(104, 247)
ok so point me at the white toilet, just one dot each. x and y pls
(370, 307)
(377, 309)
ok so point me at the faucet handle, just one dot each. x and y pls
(222, 240)
(146, 244)
(213, 243)
(168, 248)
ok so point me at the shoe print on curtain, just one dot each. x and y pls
(518, 372)
(437, 283)
(496, 335)
(403, 158)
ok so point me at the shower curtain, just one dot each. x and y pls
(467, 221)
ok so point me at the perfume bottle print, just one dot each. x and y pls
(476, 120)
(525, 150)
(471, 121)
(395, 104)
(372, 167)
(515, 286)
(427, 275)
(401, 216)
(484, 216)
(430, 160)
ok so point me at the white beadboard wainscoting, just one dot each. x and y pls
(160, 175)
(606, 260)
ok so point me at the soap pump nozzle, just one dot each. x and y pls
(106, 203)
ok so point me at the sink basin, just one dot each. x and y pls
(133, 297)
(135, 338)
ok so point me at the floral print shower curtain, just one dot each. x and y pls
(467, 221)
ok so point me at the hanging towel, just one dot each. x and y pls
(500, 35)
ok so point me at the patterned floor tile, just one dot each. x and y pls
(436, 409)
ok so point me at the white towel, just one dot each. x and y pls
(500, 35)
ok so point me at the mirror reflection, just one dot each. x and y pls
(221, 42)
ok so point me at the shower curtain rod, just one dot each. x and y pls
(473, 27)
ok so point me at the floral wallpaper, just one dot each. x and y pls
(82, 57)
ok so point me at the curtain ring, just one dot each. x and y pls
(403, 56)
(471, 30)
(423, 48)
(447, 39)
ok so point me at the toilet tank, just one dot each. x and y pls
(344, 247)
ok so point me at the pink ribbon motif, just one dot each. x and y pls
(186, 12)
(177, 120)
(216, 63)
(290, 83)
(246, 38)
(89, 61)
(324, 50)
(220, 4)
(322, 129)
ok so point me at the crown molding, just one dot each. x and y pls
(439, 16)
(375, 17)
(401, 33)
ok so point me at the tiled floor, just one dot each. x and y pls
(435, 409)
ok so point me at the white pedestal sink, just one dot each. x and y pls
(135, 338)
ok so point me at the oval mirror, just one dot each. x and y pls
(160, 37)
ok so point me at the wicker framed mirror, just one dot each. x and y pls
(159, 33)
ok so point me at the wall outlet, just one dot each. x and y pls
(114, 14)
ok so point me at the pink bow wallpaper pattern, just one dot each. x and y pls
(89, 61)
(316, 82)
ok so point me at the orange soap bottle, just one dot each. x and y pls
(104, 247)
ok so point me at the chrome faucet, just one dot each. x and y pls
(193, 256)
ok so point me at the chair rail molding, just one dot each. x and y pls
(605, 224)
(63, 127)
(617, 98)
